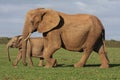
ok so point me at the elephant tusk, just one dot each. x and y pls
(20, 37)
(27, 36)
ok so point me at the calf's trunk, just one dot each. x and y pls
(8, 53)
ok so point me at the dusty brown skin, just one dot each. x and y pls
(79, 32)
(35, 48)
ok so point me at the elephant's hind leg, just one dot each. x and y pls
(100, 48)
(103, 57)
(84, 58)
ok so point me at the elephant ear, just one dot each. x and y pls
(50, 20)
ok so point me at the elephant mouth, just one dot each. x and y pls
(12, 46)
(34, 30)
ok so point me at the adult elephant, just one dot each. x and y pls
(79, 32)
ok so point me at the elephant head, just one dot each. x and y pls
(14, 43)
(41, 20)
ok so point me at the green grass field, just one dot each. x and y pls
(64, 70)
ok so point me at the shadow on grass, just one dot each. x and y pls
(92, 65)
(98, 65)
(64, 65)
(114, 65)
(88, 65)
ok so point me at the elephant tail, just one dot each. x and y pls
(103, 35)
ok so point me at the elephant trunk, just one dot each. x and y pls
(26, 34)
(24, 46)
(8, 53)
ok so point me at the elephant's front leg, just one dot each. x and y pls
(52, 42)
(50, 62)
(17, 59)
(48, 54)
(41, 61)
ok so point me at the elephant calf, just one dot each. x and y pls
(34, 48)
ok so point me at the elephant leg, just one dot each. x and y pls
(41, 61)
(50, 62)
(29, 54)
(52, 42)
(30, 62)
(19, 56)
(103, 57)
(84, 58)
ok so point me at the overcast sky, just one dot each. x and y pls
(12, 13)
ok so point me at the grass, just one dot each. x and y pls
(64, 70)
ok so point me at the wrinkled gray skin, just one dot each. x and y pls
(33, 49)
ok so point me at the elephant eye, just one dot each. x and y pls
(13, 42)
(32, 22)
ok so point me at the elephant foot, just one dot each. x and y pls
(78, 65)
(14, 66)
(25, 64)
(31, 66)
(104, 66)
(40, 65)
(51, 63)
